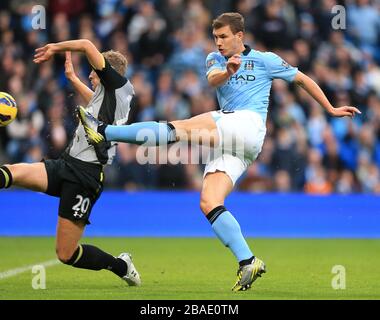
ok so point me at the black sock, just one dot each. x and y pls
(102, 130)
(172, 135)
(5, 177)
(247, 261)
(92, 258)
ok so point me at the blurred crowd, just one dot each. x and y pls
(166, 43)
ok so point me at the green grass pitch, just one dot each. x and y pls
(198, 268)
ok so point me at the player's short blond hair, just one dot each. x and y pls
(233, 19)
(117, 60)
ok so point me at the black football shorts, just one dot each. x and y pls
(78, 184)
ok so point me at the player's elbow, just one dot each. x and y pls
(213, 82)
(86, 45)
(87, 97)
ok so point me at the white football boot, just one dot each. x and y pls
(132, 277)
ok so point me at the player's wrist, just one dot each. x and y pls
(54, 47)
(229, 73)
(72, 77)
(330, 109)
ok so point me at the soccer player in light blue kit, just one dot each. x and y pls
(242, 77)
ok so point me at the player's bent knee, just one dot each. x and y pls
(203, 205)
(207, 205)
(181, 129)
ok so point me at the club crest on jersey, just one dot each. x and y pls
(285, 64)
(211, 63)
(248, 65)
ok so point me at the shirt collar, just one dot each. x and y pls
(245, 52)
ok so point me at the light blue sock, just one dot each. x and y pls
(228, 231)
(150, 133)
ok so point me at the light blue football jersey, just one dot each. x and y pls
(249, 87)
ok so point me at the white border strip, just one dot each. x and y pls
(16, 271)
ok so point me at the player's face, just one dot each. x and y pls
(228, 43)
(94, 79)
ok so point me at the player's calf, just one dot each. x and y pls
(65, 256)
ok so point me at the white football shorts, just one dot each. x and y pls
(241, 137)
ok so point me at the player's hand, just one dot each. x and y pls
(44, 53)
(345, 111)
(233, 64)
(69, 69)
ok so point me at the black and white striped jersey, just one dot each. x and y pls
(110, 104)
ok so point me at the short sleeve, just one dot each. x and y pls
(278, 68)
(212, 63)
(110, 78)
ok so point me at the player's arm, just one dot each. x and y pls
(316, 92)
(94, 57)
(85, 92)
(218, 77)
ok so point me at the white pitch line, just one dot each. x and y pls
(16, 271)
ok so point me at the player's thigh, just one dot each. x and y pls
(199, 129)
(242, 133)
(30, 175)
(68, 235)
(76, 202)
(216, 187)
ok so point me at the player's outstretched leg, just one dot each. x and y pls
(150, 133)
